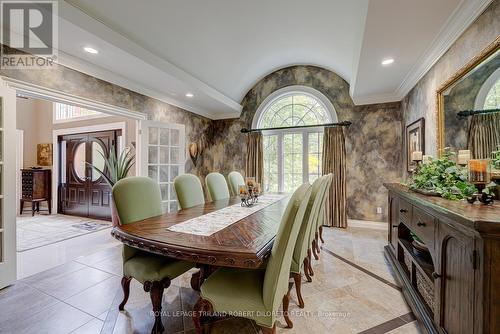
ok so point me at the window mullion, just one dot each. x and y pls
(280, 163)
(305, 156)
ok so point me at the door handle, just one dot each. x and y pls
(403, 210)
(435, 275)
(420, 224)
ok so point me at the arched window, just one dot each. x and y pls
(488, 96)
(492, 100)
(293, 156)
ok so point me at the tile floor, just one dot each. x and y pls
(352, 292)
(44, 229)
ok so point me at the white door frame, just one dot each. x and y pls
(19, 164)
(70, 131)
(8, 258)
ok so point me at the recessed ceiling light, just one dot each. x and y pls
(90, 50)
(189, 95)
(387, 61)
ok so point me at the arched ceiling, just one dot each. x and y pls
(218, 49)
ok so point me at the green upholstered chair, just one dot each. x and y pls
(324, 208)
(138, 198)
(299, 257)
(319, 221)
(235, 180)
(189, 190)
(257, 294)
(217, 186)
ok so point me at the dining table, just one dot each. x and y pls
(222, 233)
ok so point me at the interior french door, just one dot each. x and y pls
(7, 185)
(162, 157)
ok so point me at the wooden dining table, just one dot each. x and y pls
(244, 244)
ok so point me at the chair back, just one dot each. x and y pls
(278, 266)
(137, 198)
(189, 191)
(319, 217)
(235, 180)
(217, 186)
(312, 211)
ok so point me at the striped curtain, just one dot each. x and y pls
(254, 166)
(334, 161)
(484, 135)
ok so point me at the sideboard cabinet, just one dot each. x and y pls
(452, 287)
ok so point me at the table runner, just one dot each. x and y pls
(215, 221)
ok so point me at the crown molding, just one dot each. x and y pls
(375, 99)
(463, 16)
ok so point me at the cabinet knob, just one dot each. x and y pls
(435, 275)
(403, 210)
(420, 224)
(395, 225)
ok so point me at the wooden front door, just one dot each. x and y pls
(82, 191)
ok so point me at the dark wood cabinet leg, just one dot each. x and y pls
(126, 291)
(49, 203)
(38, 207)
(21, 206)
(297, 278)
(33, 208)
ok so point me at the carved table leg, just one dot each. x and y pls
(196, 280)
(286, 303)
(297, 278)
(126, 291)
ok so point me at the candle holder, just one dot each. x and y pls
(249, 194)
(479, 176)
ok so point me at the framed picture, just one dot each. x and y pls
(44, 154)
(415, 141)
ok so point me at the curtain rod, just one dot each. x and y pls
(467, 113)
(344, 123)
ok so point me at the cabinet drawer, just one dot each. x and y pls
(405, 212)
(424, 226)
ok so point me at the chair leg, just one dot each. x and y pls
(316, 238)
(321, 234)
(155, 290)
(297, 278)
(201, 307)
(126, 291)
(306, 269)
(314, 250)
(266, 330)
(286, 303)
(309, 261)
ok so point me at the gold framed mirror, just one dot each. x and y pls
(471, 92)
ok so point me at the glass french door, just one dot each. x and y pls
(163, 155)
(7, 185)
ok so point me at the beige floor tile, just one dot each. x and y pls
(92, 327)
(98, 298)
(410, 328)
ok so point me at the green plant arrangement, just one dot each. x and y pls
(444, 177)
(116, 166)
(495, 158)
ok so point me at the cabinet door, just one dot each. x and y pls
(455, 280)
(393, 221)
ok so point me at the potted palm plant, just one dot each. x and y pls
(116, 167)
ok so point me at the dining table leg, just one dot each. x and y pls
(201, 275)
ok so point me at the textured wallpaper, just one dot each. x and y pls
(421, 100)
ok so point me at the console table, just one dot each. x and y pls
(455, 286)
(35, 188)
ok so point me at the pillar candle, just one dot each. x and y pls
(416, 156)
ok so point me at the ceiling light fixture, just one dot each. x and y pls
(90, 50)
(387, 61)
(189, 95)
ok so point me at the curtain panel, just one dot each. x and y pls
(484, 135)
(334, 161)
(254, 166)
